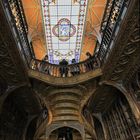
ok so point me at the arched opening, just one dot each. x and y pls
(17, 107)
(120, 121)
(12, 120)
(65, 133)
(117, 112)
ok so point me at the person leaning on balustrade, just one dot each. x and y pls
(92, 62)
(33, 65)
(63, 68)
(89, 63)
(43, 67)
(75, 68)
(96, 62)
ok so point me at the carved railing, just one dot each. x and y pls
(114, 13)
(65, 70)
(15, 14)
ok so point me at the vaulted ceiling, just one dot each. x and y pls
(36, 18)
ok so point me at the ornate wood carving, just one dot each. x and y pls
(133, 86)
(7, 68)
(11, 66)
(124, 59)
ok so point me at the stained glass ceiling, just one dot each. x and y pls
(34, 15)
(64, 25)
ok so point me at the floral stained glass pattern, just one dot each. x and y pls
(64, 26)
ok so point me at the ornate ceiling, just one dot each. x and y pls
(63, 29)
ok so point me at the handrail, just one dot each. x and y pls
(112, 18)
(14, 8)
(65, 70)
(106, 14)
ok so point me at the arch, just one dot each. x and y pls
(14, 118)
(18, 103)
(120, 116)
(62, 132)
(24, 96)
(127, 96)
(71, 124)
(118, 96)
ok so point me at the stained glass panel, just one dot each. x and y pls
(64, 25)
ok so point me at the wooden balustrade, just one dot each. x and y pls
(68, 70)
(19, 27)
(110, 24)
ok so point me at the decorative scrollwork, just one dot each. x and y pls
(124, 58)
(7, 68)
(130, 49)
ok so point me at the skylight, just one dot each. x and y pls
(64, 25)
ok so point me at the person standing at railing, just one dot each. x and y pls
(93, 61)
(96, 62)
(43, 67)
(63, 68)
(75, 68)
(33, 65)
(89, 64)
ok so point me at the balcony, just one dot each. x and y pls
(72, 74)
